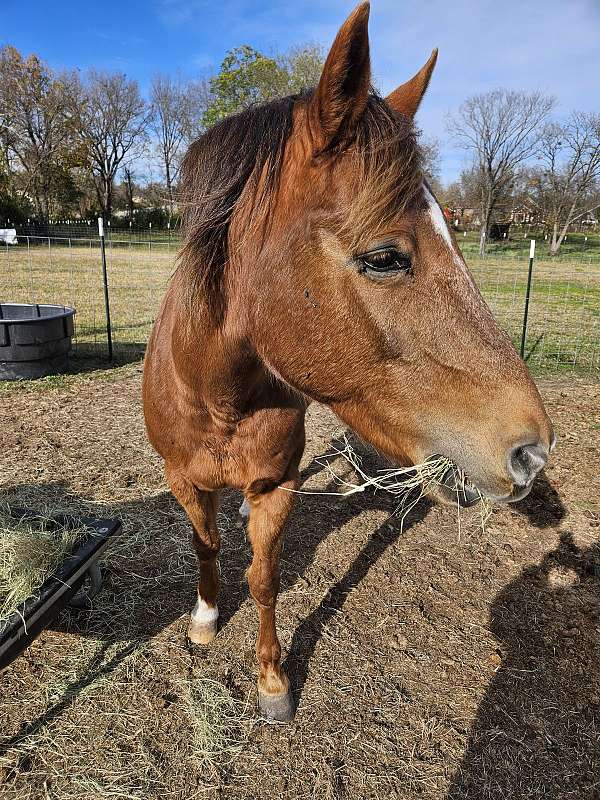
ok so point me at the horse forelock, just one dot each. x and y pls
(389, 176)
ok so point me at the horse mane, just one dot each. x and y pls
(217, 168)
(247, 150)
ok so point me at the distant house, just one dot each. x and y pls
(526, 213)
(590, 219)
(459, 217)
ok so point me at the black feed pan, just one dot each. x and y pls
(35, 340)
(20, 629)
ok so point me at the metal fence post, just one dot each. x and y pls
(105, 282)
(527, 295)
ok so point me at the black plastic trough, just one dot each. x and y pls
(23, 626)
(35, 340)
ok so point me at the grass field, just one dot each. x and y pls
(585, 246)
(564, 321)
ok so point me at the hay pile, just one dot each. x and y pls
(30, 551)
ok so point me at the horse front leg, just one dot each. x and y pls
(201, 508)
(268, 514)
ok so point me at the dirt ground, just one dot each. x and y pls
(429, 662)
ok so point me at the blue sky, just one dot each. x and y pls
(550, 45)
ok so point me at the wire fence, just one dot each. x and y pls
(564, 307)
(119, 230)
(68, 271)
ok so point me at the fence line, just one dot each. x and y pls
(563, 322)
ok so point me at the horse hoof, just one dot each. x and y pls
(277, 707)
(202, 632)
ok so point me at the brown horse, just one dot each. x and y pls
(318, 266)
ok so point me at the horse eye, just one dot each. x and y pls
(382, 261)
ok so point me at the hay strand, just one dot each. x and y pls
(407, 484)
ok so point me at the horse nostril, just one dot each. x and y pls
(525, 461)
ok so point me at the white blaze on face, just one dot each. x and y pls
(441, 228)
(437, 217)
(203, 613)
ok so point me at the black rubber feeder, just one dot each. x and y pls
(64, 587)
(35, 340)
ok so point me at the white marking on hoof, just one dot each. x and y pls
(203, 614)
(245, 509)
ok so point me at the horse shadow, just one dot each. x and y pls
(536, 730)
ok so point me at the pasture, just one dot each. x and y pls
(437, 661)
(564, 320)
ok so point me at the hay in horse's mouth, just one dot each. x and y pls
(437, 475)
(455, 485)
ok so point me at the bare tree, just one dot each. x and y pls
(502, 129)
(430, 151)
(112, 120)
(567, 181)
(176, 110)
(129, 184)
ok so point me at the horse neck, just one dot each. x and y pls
(213, 359)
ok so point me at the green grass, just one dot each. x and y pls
(564, 321)
(517, 245)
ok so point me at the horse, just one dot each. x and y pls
(316, 265)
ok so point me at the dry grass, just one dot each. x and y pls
(220, 723)
(408, 485)
(426, 666)
(29, 554)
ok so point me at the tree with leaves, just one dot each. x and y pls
(247, 77)
(36, 133)
(502, 129)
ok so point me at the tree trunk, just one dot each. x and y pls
(46, 201)
(107, 199)
(485, 227)
(482, 238)
(554, 243)
(558, 238)
(169, 188)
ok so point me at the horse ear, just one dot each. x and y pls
(343, 89)
(406, 98)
